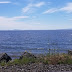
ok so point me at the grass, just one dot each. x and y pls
(24, 60)
(3, 63)
(60, 59)
(48, 59)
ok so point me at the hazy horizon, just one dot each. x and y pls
(33, 29)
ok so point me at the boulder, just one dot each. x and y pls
(70, 52)
(4, 57)
(28, 55)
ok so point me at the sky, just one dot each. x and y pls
(35, 14)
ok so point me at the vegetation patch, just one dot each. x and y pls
(48, 59)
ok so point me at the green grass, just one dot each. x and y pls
(24, 60)
(3, 63)
(48, 59)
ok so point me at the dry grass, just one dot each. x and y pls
(59, 59)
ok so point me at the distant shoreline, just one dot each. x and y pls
(36, 30)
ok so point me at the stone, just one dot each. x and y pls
(28, 55)
(4, 57)
(70, 52)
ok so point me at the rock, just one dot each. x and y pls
(4, 57)
(70, 52)
(62, 69)
(28, 55)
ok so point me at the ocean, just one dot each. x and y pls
(15, 42)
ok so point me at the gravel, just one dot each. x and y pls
(35, 67)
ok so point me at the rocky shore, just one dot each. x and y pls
(31, 63)
(34, 67)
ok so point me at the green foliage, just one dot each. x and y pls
(3, 63)
(46, 62)
(27, 60)
(48, 59)
(24, 60)
(60, 62)
(68, 60)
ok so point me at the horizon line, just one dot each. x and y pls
(33, 29)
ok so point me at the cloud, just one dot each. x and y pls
(4, 2)
(27, 8)
(31, 6)
(8, 2)
(10, 24)
(67, 8)
(39, 4)
(19, 17)
(50, 11)
(13, 18)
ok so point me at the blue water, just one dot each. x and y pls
(34, 41)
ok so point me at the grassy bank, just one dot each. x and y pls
(48, 59)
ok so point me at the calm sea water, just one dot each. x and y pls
(35, 41)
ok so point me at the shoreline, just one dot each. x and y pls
(31, 63)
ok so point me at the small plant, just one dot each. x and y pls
(26, 60)
(46, 62)
(3, 63)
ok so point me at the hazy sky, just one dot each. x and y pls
(35, 14)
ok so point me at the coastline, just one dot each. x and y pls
(31, 63)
